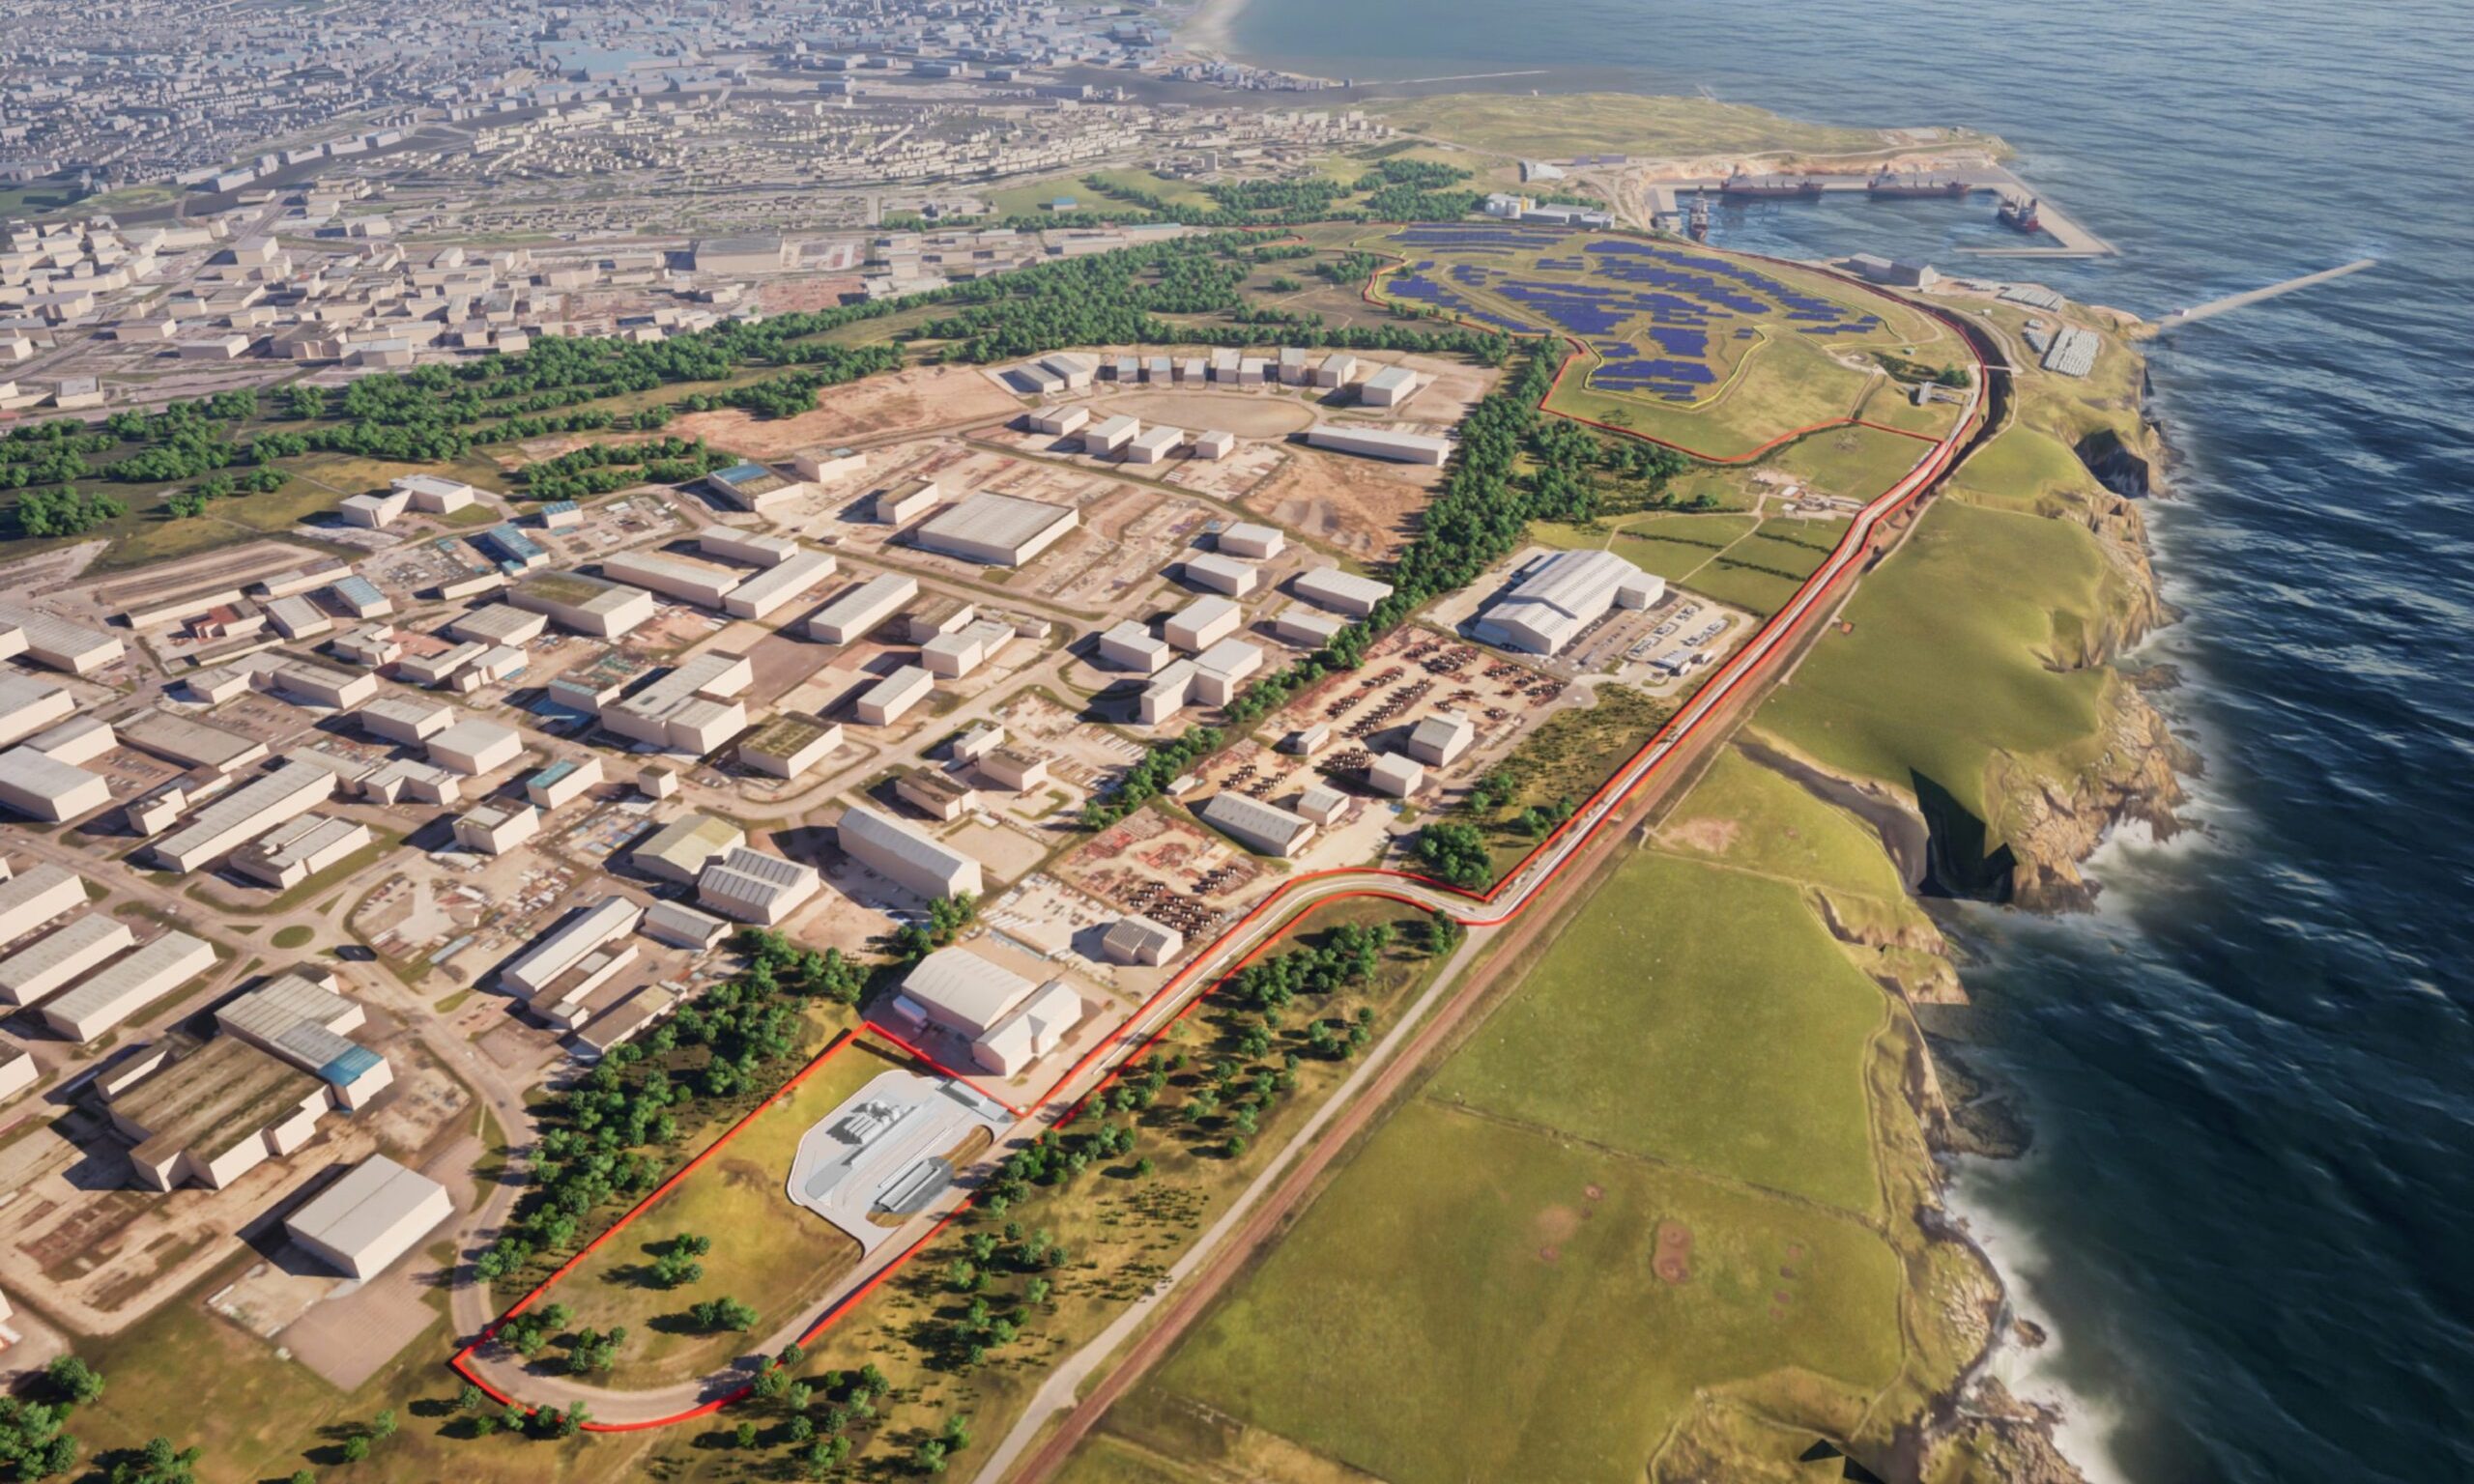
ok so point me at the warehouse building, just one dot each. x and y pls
(126, 986)
(1339, 369)
(1153, 444)
(283, 794)
(754, 548)
(1260, 827)
(374, 511)
(376, 1213)
(315, 684)
(1440, 739)
(936, 617)
(296, 617)
(1202, 623)
(940, 796)
(1380, 443)
(1166, 693)
(780, 584)
(1392, 774)
(473, 747)
(906, 502)
(884, 702)
(824, 466)
(48, 965)
(1060, 421)
(787, 746)
(680, 851)
(1221, 669)
(689, 708)
(1298, 625)
(1130, 645)
(681, 926)
(1251, 541)
(1389, 387)
(582, 933)
(1138, 940)
(41, 787)
(511, 549)
(1014, 767)
(904, 856)
(858, 613)
(754, 487)
(562, 782)
(300, 1016)
(750, 886)
(27, 705)
(408, 778)
(432, 494)
(55, 644)
(584, 604)
(1110, 435)
(1214, 445)
(997, 530)
(1216, 573)
(359, 597)
(1006, 1020)
(702, 583)
(191, 744)
(405, 719)
(1343, 592)
(297, 849)
(498, 623)
(494, 829)
(209, 1116)
(436, 668)
(17, 1072)
(35, 896)
(1556, 596)
(1323, 804)
(951, 656)
(369, 646)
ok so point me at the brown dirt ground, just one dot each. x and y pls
(1229, 412)
(1710, 836)
(1674, 1261)
(1360, 506)
(875, 409)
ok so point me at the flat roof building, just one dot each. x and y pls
(689, 707)
(905, 856)
(1251, 541)
(473, 747)
(1214, 444)
(1153, 444)
(406, 719)
(561, 949)
(998, 531)
(36, 896)
(189, 743)
(1110, 435)
(54, 642)
(1130, 645)
(126, 985)
(211, 1115)
(584, 604)
(824, 466)
(683, 578)
(751, 886)
(1380, 443)
(884, 702)
(498, 623)
(298, 1015)
(1389, 387)
(28, 706)
(754, 548)
(780, 584)
(376, 1213)
(906, 502)
(562, 782)
(939, 795)
(1059, 422)
(1395, 774)
(41, 787)
(787, 746)
(48, 964)
(1298, 625)
(297, 849)
(1441, 738)
(1138, 940)
(434, 495)
(1202, 623)
(1261, 827)
(1007, 1020)
(754, 487)
(1343, 592)
(858, 613)
(1216, 573)
(494, 829)
(1222, 669)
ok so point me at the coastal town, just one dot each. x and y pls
(729, 736)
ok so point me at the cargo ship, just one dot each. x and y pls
(1889, 186)
(2018, 215)
(1742, 183)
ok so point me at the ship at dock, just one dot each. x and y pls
(1892, 186)
(1745, 184)
(2018, 213)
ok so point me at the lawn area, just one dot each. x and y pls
(1696, 1016)
(1547, 127)
(1757, 819)
(1476, 1300)
(2023, 467)
(766, 1252)
(1961, 650)
(1785, 383)
(1856, 463)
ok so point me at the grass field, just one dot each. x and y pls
(1693, 1017)
(1855, 463)
(1963, 646)
(2023, 467)
(1758, 821)
(1476, 1300)
(766, 1252)
(1572, 123)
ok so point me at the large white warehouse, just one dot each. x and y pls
(1556, 596)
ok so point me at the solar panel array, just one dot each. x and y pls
(1628, 295)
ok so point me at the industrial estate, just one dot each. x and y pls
(732, 857)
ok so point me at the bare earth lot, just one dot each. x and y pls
(881, 407)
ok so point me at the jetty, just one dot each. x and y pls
(2232, 302)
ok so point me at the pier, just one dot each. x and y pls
(2232, 302)
(2068, 238)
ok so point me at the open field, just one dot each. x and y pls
(877, 407)
(1691, 1017)
(2023, 467)
(1923, 703)
(767, 1251)
(1486, 1301)
(1850, 463)
(1756, 819)
(1567, 123)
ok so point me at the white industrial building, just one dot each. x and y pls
(1380, 443)
(283, 794)
(885, 703)
(824, 466)
(777, 587)
(494, 829)
(1222, 669)
(1261, 827)
(858, 613)
(1394, 774)
(126, 985)
(584, 604)
(1559, 595)
(789, 746)
(582, 934)
(1212, 445)
(376, 1213)
(406, 719)
(42, 786)
(473, 747)
(906, 502)
(191, 744)
(1110, 435)
(1058, 421)
(562, 782)
(680, 851)
(1251, 541)
(688, 709)
(48, 964)
(35, 896)
(1389, 387)
(432, 494)
(1153, 444)
(997, 530)
(297, 849)
(27, 705)
(1202, 623)
(755, 548)
(298, 1016)
(750, 886)
(1007, 1020)
(56, 643)
(681, 926)
(1130, 645)
(1222, 574)
(951, 656)
(905, 856)
(1343, 592)
(498, 623)
(1441, 738)
(702, 583)
(1298, 625)
(1138, 940)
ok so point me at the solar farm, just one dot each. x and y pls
(1715, 352)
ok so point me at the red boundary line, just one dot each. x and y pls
(1916, 480)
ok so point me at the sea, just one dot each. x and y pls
(2247, 1216)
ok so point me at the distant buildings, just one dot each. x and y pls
(1380, 443)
